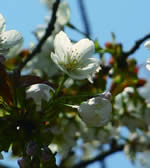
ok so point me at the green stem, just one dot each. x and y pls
(75, 97)
(60, 86)
(53, 99)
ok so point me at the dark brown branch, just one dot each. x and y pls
(84, 17)
(136, 46)
(48, 32)
(100, 157)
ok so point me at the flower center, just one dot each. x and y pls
(73, 59)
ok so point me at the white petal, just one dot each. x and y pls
(10, 38)
(85, 48)
(148, 64)
(56, 60)
(38, 92)
(147, 44)
(62, 45)
(2, 24)
(85, 62)
(82, 73)
(78, 74)
(85, 71)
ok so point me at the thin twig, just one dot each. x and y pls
(136, 46)
(100, 157)
(84, 17)
(48, 32)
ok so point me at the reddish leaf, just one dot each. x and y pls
(28, 80)
(141, 82)
(5, 86)
(117, 88)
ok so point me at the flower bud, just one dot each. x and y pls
(96, 111)
(108, 45)
(111, 60)
(39, 92)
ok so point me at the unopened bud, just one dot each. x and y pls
(111, 60)
(96, 112)
(108, 45)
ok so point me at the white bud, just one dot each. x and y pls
(96, 111)
(39, 92)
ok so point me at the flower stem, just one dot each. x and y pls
(60, 86)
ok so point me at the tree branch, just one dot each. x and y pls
(48, 32)
(84, 17)
(136, 46)
(100, 157)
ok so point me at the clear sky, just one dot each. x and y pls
(128, 19)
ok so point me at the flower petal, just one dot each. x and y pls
(56, 60)
(147, 44)
(85, 72)
(148, 64)
(91, 60)
(85, 48)
(62, 45)
(38, 92)
(10, 38)
(2, 24)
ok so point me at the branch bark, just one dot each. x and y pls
(84, 17)
(100, 157)
(136, 46)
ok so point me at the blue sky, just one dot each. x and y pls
(128, 19)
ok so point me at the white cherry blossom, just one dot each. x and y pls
(39, 92)
(9, 38)
(75, 59)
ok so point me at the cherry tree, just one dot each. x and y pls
(54, 99)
